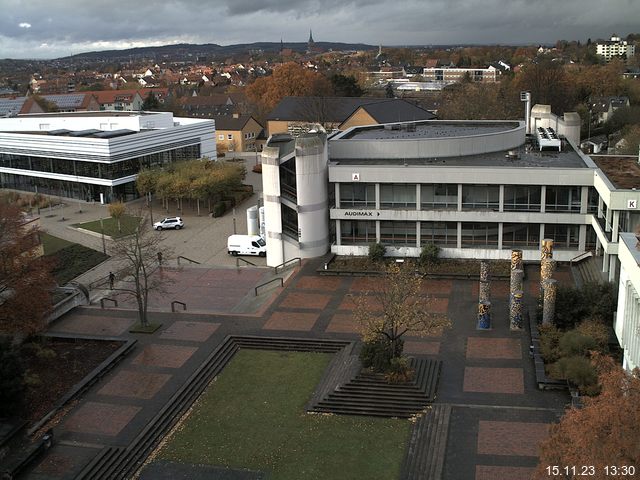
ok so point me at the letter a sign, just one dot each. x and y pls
(355, 177)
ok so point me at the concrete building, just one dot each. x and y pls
(627, 319)
(237, 133)
(615, 47)
(450, 75)
(295, 189)
(95, 155)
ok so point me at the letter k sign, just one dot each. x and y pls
(632, 204)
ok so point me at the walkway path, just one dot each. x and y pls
(497, 418)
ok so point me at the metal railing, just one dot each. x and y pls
(267, 283)
(238, 260)
(187, 259)
(173, 305)
(580, 257)
(103, 299)
(286, 264)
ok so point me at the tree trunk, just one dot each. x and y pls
(119, 229)
(198, 204)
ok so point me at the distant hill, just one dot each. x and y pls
(207, 50)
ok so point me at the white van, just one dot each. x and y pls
(246, 245)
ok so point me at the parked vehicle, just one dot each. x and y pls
(246, 245)
(169, 222)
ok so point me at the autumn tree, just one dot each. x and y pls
(139, 255)
(548, 84)
(480, 101)
(25, 276)
(150, 103)
(345, 86)
(604, 432)
(117, 210)
(397, 307)
(288, 80)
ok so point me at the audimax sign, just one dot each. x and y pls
(361, 213)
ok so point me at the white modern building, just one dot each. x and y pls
(95, 155)
(627, 322)
(615, 47)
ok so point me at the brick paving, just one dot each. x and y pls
(421, 348)
(313, 301)
(480, 369)
(190, 331)
(494, 380)
(101, 418)
(507, 348)
(294, 321)
(511, 438)
(126, 383)
(491, 472)
(343, 323)
(168, 356)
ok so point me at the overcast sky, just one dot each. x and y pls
(55, 28)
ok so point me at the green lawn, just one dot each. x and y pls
(71, 259)
(128, 225)
(253, 417)
(53, 244)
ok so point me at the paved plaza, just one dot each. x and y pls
(498, 416)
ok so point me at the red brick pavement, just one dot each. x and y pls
(437, 287)
(101, 418)
(343, 323)
(421, 348)
(508, 348)
(190, 331)
(318, 283)
(499, 289)
(510, 438)
(493, 380)
(291, 321)
(491, 472)
(305, 300)
(127, 383)
(169, 356)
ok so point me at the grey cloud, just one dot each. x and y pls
(76, 25)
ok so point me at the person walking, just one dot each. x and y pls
(160, 259)
(112, 279)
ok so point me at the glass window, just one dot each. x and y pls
(479, 235)
(592, 201)
(397, 196)
(562, 199)
(398, 233)
(564, 236)
(440, 233)
(357, 195)
(357, 232)
(480, 197)
(229, 136)
(64, 166)
(522, 198)
(289, 222)
(439, 196)
(515, 235)
(221, 137)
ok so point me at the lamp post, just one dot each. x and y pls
(104, 245)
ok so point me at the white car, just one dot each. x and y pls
(169, 222)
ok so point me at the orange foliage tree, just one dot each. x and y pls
(25, 276)
(602, 433)
(288, 80)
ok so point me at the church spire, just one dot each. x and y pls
(311, 42)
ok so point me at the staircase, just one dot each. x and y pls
(588, 270)
(424, 459)
(371, 394)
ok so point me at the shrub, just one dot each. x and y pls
(376, 252)
(429, 254)
(593, 300)
(218, 209)
(399, 371)
(575, 343)
(12, 384)
(597, 330)
(378, 354)
(579, 371)
(549, 342)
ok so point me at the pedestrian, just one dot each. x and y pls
(112, 279)
(160, 258)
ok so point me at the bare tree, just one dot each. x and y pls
(139, 253)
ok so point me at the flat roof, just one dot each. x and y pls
(96, 113)
(428, 129)
(622, 171)
(528, 156)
